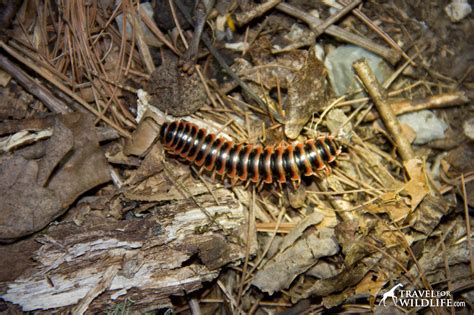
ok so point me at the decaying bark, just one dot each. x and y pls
(170, 251)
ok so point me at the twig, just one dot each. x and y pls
(374, 27)
(229, 296)
(245, 17)
(378, 95)
(447, 271)
(335, 17)
(220, 59)
(206, 86)
(142, 45)
(178, 26)
(45, 74)
(103, 284)
(155, 30)
(194, 307)
(468, 225)
(431, 102)
(38, 90)
(341, 34)
(251, 215)
(254, 38)
(267, 248)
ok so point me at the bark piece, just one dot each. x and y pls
(157, 256)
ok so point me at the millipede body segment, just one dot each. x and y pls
(248, 162)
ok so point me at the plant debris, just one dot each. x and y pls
(38, 189)
(97, 217)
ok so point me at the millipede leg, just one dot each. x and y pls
(247, 184)
(327, 171)
(260, 185)
(296, 184)
(280, 186)
(234, 180)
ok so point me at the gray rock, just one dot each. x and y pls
(339, 66)
(427, 126)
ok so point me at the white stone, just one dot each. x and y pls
(468, 127)
(427, 126)
(458, 10)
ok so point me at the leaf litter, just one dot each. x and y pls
(99, 213)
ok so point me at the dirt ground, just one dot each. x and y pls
(236, 157)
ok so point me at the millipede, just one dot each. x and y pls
(249, 162)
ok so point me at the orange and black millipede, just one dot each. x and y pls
(248, 162)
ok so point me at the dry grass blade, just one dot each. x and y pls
(468, 225)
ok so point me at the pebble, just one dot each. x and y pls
(426, 124)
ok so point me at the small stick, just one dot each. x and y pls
(194, 306)
(205, 38)
(378, 95)
(155, 30)
(431, 102)
(142, 45)
(57, 83)
(42, 93)
(251, 218)
(390, 55)
(245, 17)
(254, 38)
(468, 225)
(178, 26)
(335, 17)
(374, 27)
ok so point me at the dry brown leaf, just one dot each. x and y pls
(144, 136)
(281, 270)
(371, 284)
(390, 203)
(306, 95)
(417, 188)
(36, 192)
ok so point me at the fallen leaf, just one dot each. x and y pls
(306, 95)
(417, 188)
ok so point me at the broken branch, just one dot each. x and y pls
(378, 95)
(389, 54)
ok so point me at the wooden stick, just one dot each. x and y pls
(53, 80)
(142, 45)
(155, 30)
(431, 102)
(381, 33)
(378, 95)
(335, 17)
(390, 55)
(43, 94)
(245, 17)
